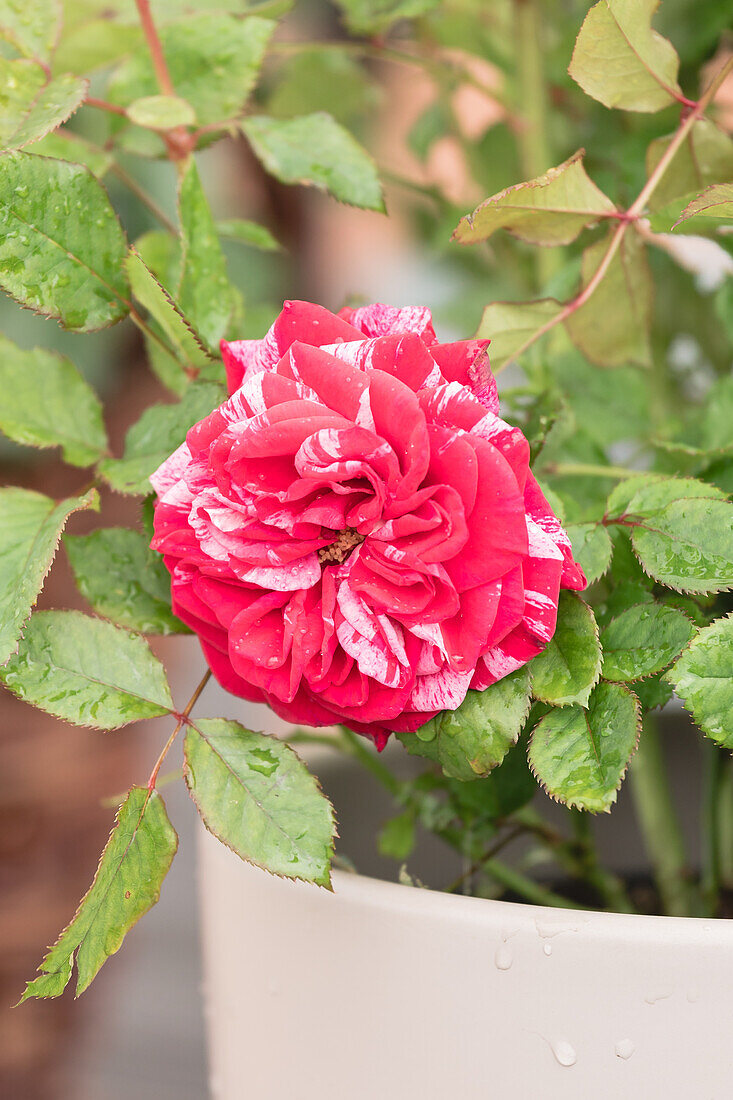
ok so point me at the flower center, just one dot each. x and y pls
(341, 547)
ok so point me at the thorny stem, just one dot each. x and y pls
(182, 721)
(630, 215)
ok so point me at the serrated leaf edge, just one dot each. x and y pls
(538, 182)
(668, 664)
(90, 498)
(573, 702)
(27, 995)
(88, 725)
(187, 776)
(614, 794)
(667, 676)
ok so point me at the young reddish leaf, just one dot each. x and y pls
(621, 61)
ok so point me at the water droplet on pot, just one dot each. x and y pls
(624, 1049)
(657, 995)
(503, 958)
(547, 948)
(564, 1052)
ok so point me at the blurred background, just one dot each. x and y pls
(440, 102)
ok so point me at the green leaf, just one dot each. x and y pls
(314, 150)
(156, 435)
(511, 326)
(715, 201)
(705, 157)
(434, 123)
(376, 16)
(161, 112)
(20, 82)
(592, 548)
(718, 415)
(620, 61)
(258, 797)
(650, 492)
(124, 580)
(29, 535)
(127, 884)
(653, 692)
(703, 679)
(31, 27)
(213, 60)
(508, 787)
(570, 664)
(580, 757)
(176, 353)
(552, 209)
(397, 837)
(612, 327)
(87, 671)
(204, 293)
(247, 232)
(681, 532)
(53, 105)
(61, 246)
(95, 44)
(623, 393)
(470, 741)
(182, 352)
(643, 640)
(44, 402)
(64, 145)
(323, 80)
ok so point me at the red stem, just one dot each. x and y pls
(179, 142)
(154, 45)
(103, 105)
(182, 720)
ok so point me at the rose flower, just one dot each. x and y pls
(355, 535)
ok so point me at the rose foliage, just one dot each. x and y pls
(339, 509)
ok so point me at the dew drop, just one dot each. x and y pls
(547, 948)
(624, 1049)
(657, 995)
(564, 1053)
(503, 958)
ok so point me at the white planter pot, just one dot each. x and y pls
(386, 991)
